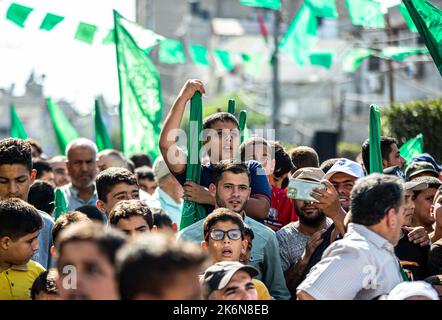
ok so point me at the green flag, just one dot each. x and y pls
(171, 51)
(18, 14)
(323, 8)
(231, 107)
(245, 134)
(64, 131)
(17, 128)
(375, 140)
(85, 32)
(270, 4)
(140, 93)
(102, 139)
(400, 53)
(199, 54)
(412, 148)
(50, 21)
(224, 59)
(366, 13)
(60, 206)
(353, 59)
(253, 63)
(301, 36)
(403, 9)
(192, 211)
(109, 39)
(428, 20)
(323, 59)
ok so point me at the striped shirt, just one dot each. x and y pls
(361, 266)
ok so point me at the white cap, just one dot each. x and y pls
(160, 169)
(346, 166)
(408, 289)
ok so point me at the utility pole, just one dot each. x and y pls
(275, 75)
(390, 72)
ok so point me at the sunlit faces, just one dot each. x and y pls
(222, 141)
(61, 175)
(343, 184)
(147, 185)
(82, 167)
(394, 158)
(423, 203)
(15, 181)
(396, 226)
(119, 192)
(49, 177)
(308, 214)
(232, 191)
(20, 251)
(133, 226)
(409, 208)
(240, 287)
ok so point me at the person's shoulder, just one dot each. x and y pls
(35, 267)
(46, 217)
(288, 229)
(192, 232)
(259, 228)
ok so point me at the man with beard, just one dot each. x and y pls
(231, 190)
(302, 242)
(82, 168)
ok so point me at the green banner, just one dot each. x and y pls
(366, 13)
(140, 93)
(323, 8)
(270, 4)
(171, 51)
(322, 59)
(50, 21)
(102, 138)
(85, 32)
(403, 9)
(224, 59)
(400, 53)
(199, 55)
(375, 141)
(60, 206)
(412, 148)
(17, 128)
(18, 14)
(242, 120)
(354, 58)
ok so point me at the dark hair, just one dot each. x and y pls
(304, 156)
(222, 214)
(145, 172)
(250, 145)
(18, 219)
(248, 231)
(92, 212)
(327, 164)
(141, 159)
(432, 182)
(373, 196)
(149, 264)
(130, 208)
(110, 177)
(41, 196)
(386, 143)
(45, 282)
(130, 165)
(107, 240)
(283, 162)
(161, 219)
(16, 151)
(228, 166)
(209, 121)
(41, 166)
(37, 146)
(66, 220)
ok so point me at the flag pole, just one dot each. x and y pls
(275, 74)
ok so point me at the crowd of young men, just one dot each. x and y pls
(376, 236)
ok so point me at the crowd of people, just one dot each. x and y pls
(362, 236)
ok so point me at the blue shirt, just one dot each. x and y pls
(169, 205)
(73, 201)
(264, 255)
(43, 255)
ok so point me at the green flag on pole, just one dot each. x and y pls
(323, 8)
(366, 13)
(375, 140)
(109, 39)
(60, 206)
(270, 4)
(231, 106)
(245, 134)
(323, 59)
(85, 32)
(353, 59)
(403, 9)
(18, 14)
(199, 54)
(412, 148)
(140, 93)
(192, 211)
(50, 21)
(64, 131)
(428, 20)
(171, 51)
(301, 36)
(224, 59)
(17, 128)
(102, 139)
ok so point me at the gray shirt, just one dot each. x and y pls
(360, 266)
(73, 201)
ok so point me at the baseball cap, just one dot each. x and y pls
(417, 167)
(428, 158)
(160, 169)
(217, 276)
(346, 166)
(408, 289)
(309, 173)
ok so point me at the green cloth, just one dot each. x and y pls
(323, 8)
(192, 211)
(301, 36)
(17, 128)
(270, 4)
(199, 54)
(231, 107)
(18, 14)
(60, 206)
(245, 134)
(171, 51)
(366, 13)
(428, 20)
(102, 138)
(50, 21)
(224, 59)
(109, 39)
(323, 59)
(400, 53)
(64, 131)
(85, 32)
(403, 9)
(375, 140)
(140, 92)
(412, 148)
(353, 59)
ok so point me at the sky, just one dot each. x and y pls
(75, 71)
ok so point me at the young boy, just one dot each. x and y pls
(66, 220)
(44, 287)
(146, 179)
(163, 222)
(224, 239)
(132, 217)
(20, 225)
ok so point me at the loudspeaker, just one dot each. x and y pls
(325, 142)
